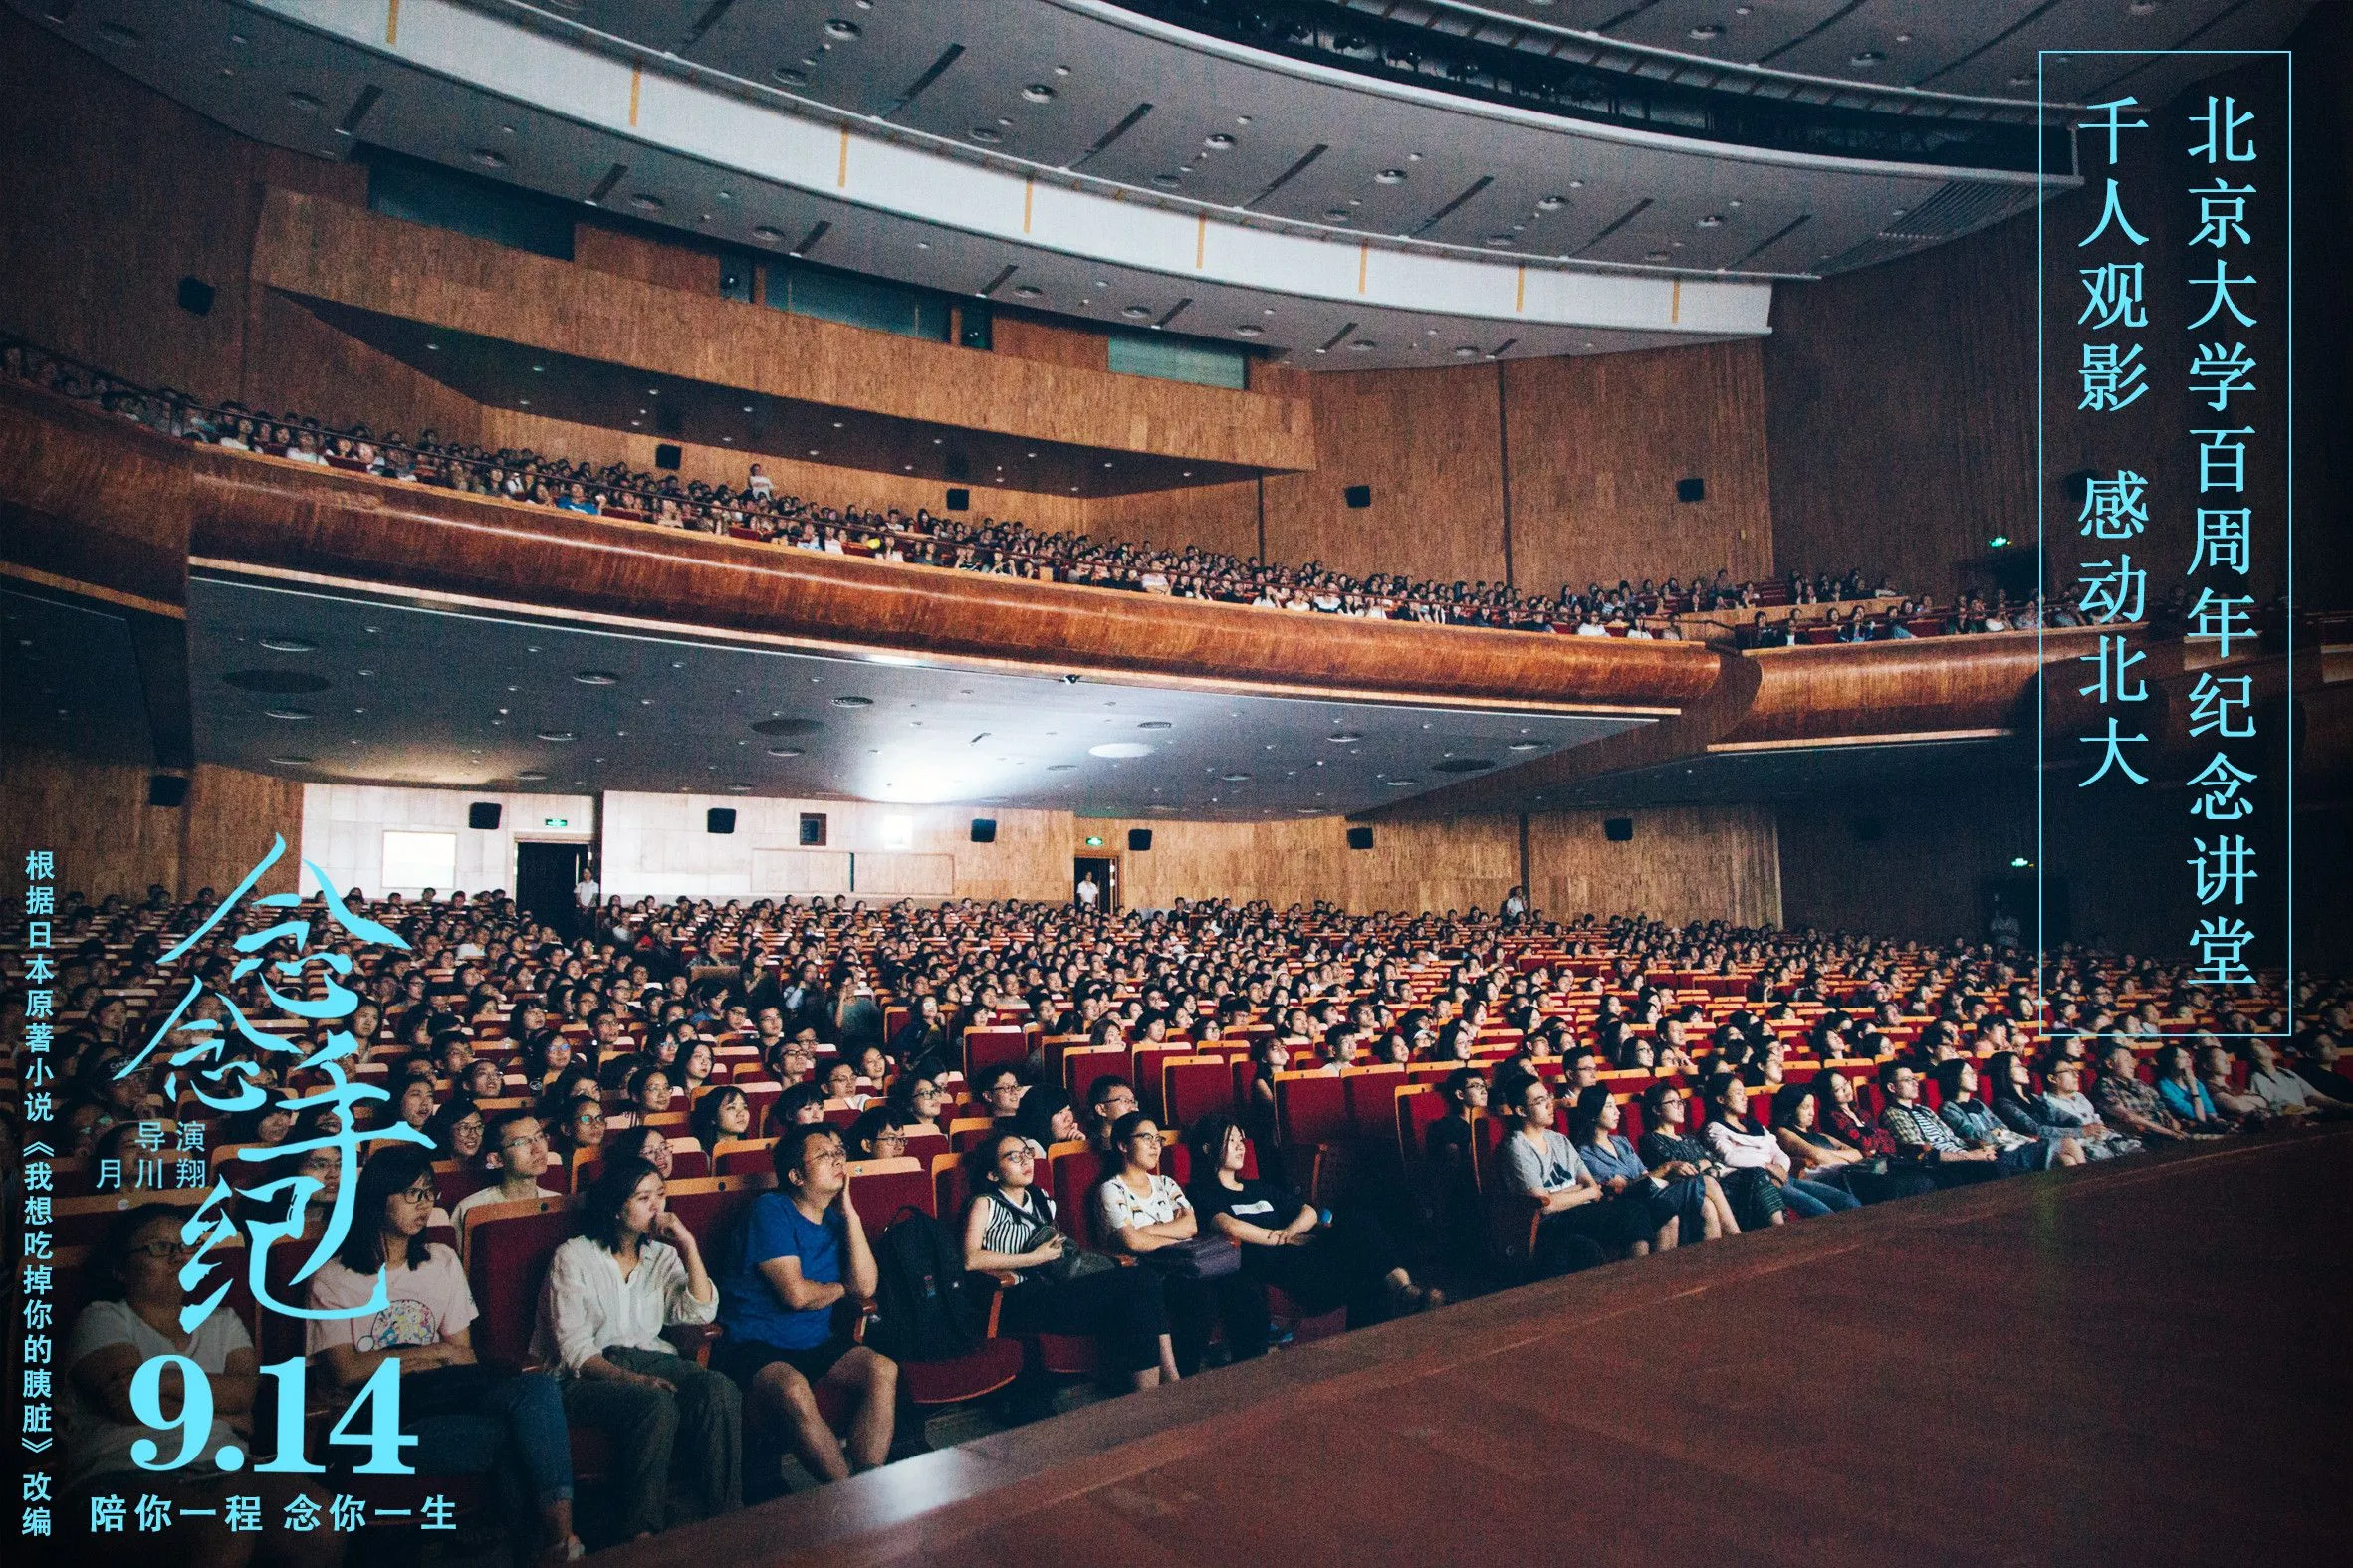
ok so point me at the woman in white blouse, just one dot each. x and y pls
(632, 1271)
(1741, 1142)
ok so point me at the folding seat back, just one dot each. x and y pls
(964, 1131)
(881, 1189)
(1310, 1107)
(922, 1145)
(949, 1190)
(507, 1249)
(739, 1155)
(85, 1222)
(1074, 1170)
(994, 1047)
(1152, 1075)
(1416, 1106)
(687, 1159)
(1368, 1097)
(709, 1205)
(1083, 1065)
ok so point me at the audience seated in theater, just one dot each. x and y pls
(516, 1147)
(1050, 1285)
(1755, 1197)
(467, 1416)
(1927, 1142)
(2126, 1102)
(1536, 1165)
(2289, 1095)
(133, 1317)
(721, 1114)
(1740, 1143)
(632, 1271)
(1655, 1203)
(803, 1253)
(1974, 1123)
(2009, 1089)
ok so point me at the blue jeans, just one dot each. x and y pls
(1811, 1200)
(518, 1430)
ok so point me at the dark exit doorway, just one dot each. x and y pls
(1104, 870)
(2020, 897)
(545, 875)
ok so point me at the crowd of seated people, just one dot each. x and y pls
(1643, 611)
(1595, 1090)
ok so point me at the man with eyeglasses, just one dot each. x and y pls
(515, 1146)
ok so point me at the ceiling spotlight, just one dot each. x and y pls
(531, 775)
(645, 203)
(1714, 220)
(286, 713)
(853, 701)
(1136, 312)
(1528, 746)
(1344, 738)
(1338, 214)
(306, 103)
(1704, 33)
(1551, 203)
(490, 157)
(1499, 241)
(1029, 291)
(792, 76)
(1170, 180)
(289, 645)
(1235, 778)
(766, 232)
(558, 735)
(596, 678)
(293, 762)
(1156, 724)
(1389, 177)
(1465, 351)
(1037, 92)
(988, 134)
(1363, 346)
(1251, 329)
(1401, 784)
(784, 750)
(839, 28)
(1221, 143)
(1866, 57)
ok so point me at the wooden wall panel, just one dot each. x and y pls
(628, 253)
(1448, 863)
(108, 839)
(1223, 518)
(1049, 342)
(1596, 446)
(327, 250)
(1682, 863)
(1427, 443)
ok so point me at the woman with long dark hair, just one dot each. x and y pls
(466, 1417)
(633, 1270)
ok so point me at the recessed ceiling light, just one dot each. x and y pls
(293, 762)
(1528, 746)
(1714, 220)
(1344, 738)
(1235, 778)
(596, 678)
(792, 76)
(289, 645)
(1363, 346)
(766, 232)
(1389, 177)
(644, 202)
(1135, 313)
(1029, 291)
(1156, 724)
(1037, 92)
(853, 701)
(531, 775)
(1401, 784)
(1170, 180)
(1220, 142)
(1707, 32)
(1655, 254)
(286, 713)
(1120, 749)
(558, 735)
(987, 134)
(307, 102)
(1465, 352)
(1499, 241)
(840, 27)
(1866, 57)
(1551, 203)
(739, 789)
(1338, 214)
(1903, 38)
(490, 157)
(1060, 768)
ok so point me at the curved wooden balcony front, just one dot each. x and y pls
(99, 503)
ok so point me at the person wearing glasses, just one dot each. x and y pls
(515, 1146)
(878, 1133)
(466, 1418)
(916, 1100)
(804, 1251)
(1539, 1166)
(133, 1316)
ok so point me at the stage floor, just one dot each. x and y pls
(2149, 1362)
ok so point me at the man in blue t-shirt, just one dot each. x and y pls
(803, 1250)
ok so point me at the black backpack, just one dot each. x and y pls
(923, 1309)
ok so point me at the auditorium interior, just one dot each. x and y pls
(1529, 711)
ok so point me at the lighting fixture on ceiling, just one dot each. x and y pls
(853, 701)
(988, 136)
(490, 157)
(644, 202)
(307, 102)
(842, 27)
(1037, 92)
(286, 713)
(596, 678)
(1135, 313)
(1220, 142)
(558, 735)
(792, 76)
(289, 645)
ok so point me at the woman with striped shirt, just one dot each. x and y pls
(1009, 1234)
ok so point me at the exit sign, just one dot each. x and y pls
(555, 821)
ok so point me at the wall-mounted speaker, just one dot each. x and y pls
(1692, 489)
(1139, 839)
(483, 814)
(196, 296)
(983, 829)
(1617, 829)
(169, 790)
(719, 820)
(959, 499)
(667, 455)
(1359, 839)
(1357, 496)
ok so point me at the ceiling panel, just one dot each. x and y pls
(667, 713)
(69, 687)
